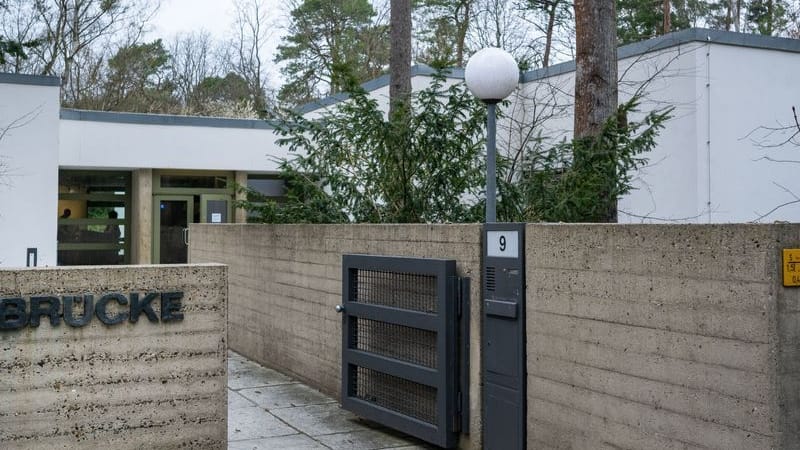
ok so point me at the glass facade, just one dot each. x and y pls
(94, 217)
(194, 181)
(270, 186)
(262, 188)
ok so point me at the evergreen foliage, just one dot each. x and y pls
(324, 34)
(11, 48)
(582, 179)
(14, 49)
(138, 81)
(347, 167)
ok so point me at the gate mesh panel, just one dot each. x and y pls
(395, 341)
(397, 394)
(399, 290)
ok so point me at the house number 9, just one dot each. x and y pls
(502, 244)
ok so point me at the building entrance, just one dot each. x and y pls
(172, 217)
(181, 198)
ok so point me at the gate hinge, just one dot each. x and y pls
(458, 413)
(462, 290)
(459, 297)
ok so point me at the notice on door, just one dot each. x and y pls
(791, 267)
(216, 217)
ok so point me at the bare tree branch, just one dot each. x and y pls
(663, 219)
(20, 122)
(782, 205)
(766, 140)
(767, 158)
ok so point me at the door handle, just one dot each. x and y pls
(339, 309)
(186, 236)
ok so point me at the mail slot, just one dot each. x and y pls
(500, 308)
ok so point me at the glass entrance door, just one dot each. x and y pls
(172, 217)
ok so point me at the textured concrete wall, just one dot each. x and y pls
(668, 337)
(639, 337)
(142, 222)
(142, 385)
(286, 279)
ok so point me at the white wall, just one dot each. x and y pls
(381, 94)
(29, 188)
(666, 188)
(704, 169)
(751, 88)
(99, 145)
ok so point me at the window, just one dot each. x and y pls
(194, 181)
(267, 185)
(94, 219)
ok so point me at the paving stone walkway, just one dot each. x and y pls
(268, 410)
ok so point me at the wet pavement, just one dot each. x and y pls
(268, 410)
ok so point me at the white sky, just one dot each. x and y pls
(216, 17)
(180, 16)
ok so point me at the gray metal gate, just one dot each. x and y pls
(402, 344)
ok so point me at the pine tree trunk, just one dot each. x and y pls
(399, 196)
(400, 58)
(596, 65)
(596, 80)
(551, 25)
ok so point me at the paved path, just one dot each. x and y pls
(268, 410)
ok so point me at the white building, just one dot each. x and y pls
(707, 167)
(158, 173)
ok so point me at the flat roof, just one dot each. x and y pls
(377, 83)
(30, 80)
(164, 119)
(626, 51)
(675, 39)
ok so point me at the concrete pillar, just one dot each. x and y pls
(142, 216)
(240, 214)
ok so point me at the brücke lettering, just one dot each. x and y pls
(111, 309)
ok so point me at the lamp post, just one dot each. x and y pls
(491, 74)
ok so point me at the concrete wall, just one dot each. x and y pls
(142, 220)
(285, 281)
(662, 337)
(142, 385)
(28, 168)
(639, 336)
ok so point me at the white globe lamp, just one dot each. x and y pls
(491, 74)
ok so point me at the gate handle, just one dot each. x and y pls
(339, 309)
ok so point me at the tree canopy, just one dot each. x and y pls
(322, 39)
(341, 173)
(325, 36)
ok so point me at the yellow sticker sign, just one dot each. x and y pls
(791, 267)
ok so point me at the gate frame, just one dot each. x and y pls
(449, 378)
